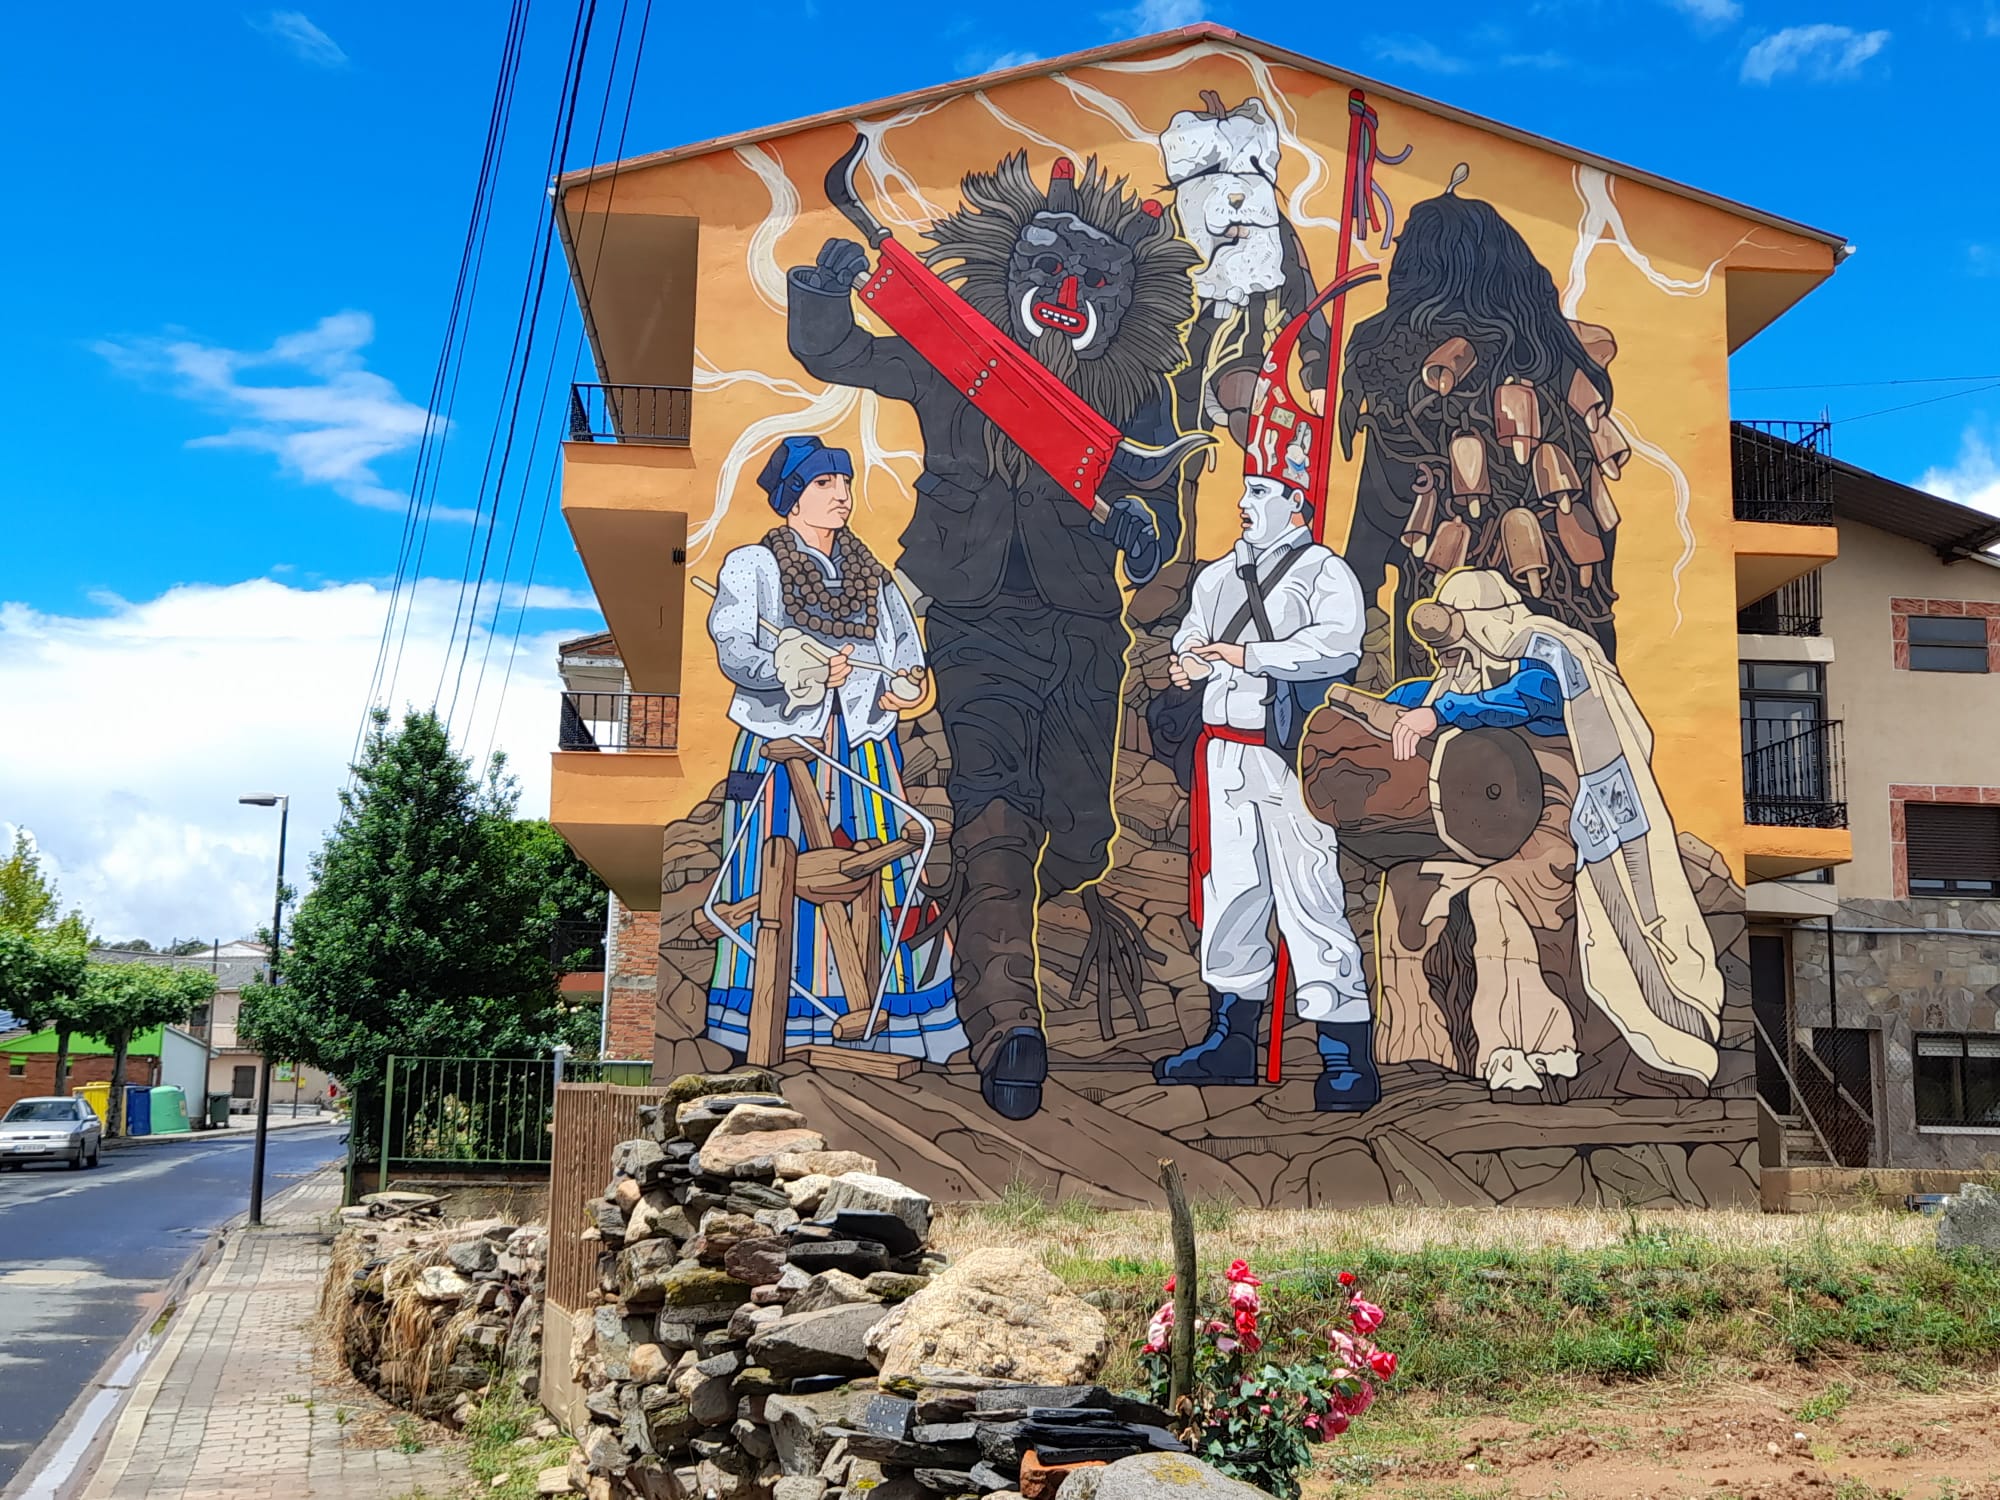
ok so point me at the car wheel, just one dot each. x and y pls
(96, 1154)
(81, 1161)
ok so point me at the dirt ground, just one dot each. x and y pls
(1786, 1437)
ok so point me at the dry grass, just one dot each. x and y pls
(1279, 1236)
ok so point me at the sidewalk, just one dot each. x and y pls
(229, 1408)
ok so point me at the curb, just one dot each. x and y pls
(120, 1374)
(215, 1137)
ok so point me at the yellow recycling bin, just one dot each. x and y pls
(98, 1097)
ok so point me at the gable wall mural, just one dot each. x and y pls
(1104, 743)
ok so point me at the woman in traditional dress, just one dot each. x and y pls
(821, 646)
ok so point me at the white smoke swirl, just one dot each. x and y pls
(1601, 220)
(766, 279)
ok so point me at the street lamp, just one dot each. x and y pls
(284, 806)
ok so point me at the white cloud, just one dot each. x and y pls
(1165, 15)
(1820, 52)
(1416, 52)
(1007, 60)
(130, 734)
(300, 37)
(330, 428)
(1714, 12)
(1974, 479)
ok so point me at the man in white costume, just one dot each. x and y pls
(1269, 626)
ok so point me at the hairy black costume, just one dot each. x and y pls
(1489, 439)
(1025, 629)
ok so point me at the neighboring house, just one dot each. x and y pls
(29, 1059)
(1523, 974)
(233, 1064)
(596, 715)
(1871, 702)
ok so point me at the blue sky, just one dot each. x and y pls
(236, 231)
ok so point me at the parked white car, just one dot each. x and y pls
(51, 1130)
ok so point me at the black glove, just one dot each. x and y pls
(840, 261)
(1131, 530)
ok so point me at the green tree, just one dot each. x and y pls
(119, 1000)
(40, 977)
(573, 899)
(424, 932)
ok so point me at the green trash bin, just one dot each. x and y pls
(218, 1111)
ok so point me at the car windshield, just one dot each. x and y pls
(37, 1110)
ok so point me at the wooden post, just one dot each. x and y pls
(1186, 1305)
(771, 971)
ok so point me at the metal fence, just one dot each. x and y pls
(619, 721)
(480, 1112)
(660, 414)
(1794, 775)
(1792, 610)
(1783, 472)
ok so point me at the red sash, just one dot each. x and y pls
(1199, 860)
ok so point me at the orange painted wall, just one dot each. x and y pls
(1662, 290)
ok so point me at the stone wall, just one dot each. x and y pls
(774, 1326)
(1936, 969)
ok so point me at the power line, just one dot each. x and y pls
(464, 294)
(589, 289)
(1850, 385)
(526, 322)
(1927, 401)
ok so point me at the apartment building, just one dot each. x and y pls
(1175, 601)
(1870, 704)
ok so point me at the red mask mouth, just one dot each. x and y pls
(1061, 314)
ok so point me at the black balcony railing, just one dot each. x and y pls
(1794, 775)
(1792, 610)
(577, 947)
(1783, 472)
(619, 721)
(630, 414)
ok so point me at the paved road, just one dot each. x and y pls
(84, 1256)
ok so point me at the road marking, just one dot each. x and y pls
(42, 1276)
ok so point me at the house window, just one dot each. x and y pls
(1953, 848)
(17, 1067)
(1947, 643)
(1958, 1080)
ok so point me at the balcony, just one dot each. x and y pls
(615, 782)
(1783, 472)
(1792, 610)
(619, 721)
(658, 414)
(576, 949)
(1794, 775)
(1783, 504)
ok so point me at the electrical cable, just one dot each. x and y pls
(589, 290)
(526, 327)
(541, 412)
(464, 292)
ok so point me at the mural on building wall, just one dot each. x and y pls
(1057, 838)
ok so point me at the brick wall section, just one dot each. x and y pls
(39, 1080)
(1900, 611)
(1901, 794)
(634, 981)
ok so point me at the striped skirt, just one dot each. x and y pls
(918, 1016)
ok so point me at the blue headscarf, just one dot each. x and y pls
(796, 463)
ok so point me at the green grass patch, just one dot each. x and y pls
(1498, 1323)
(499, 1441)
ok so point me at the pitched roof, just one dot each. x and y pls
(1207, 31)
(1953, 530)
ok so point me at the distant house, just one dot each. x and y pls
(233, 1064)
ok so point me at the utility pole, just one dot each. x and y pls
(284, 806)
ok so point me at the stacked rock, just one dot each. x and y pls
(469, 1296)
(775, 1327)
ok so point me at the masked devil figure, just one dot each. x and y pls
(1026, 630)
(1269, 627)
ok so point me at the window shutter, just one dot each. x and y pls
(1952, 841)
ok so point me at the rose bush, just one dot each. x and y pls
(1261, 1399)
